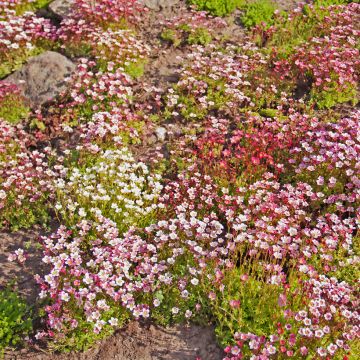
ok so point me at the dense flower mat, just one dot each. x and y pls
(250, 221)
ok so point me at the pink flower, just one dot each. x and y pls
(303, 350)
(282, 300)
(234, 304)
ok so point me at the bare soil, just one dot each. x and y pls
(13, 272)
(139, 342)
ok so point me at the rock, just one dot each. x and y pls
(61, 8)
(158, 4)
(160, 133)
(43, 77)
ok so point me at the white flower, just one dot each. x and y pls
(175, 310)
(194, 281)
(64, 296)
(2, 194)
(113, 321)
(292, 231)
(82, 212)
(188, 313)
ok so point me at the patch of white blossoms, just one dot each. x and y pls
(116, 186)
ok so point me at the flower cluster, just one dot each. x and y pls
(224, 80)
(6, 89)
(108, 272)
(335, 81)
(20, 6)
(248, 219)
(328, 156)
(99, 89)
(12, 104)
(106, 128)
(192, 27)
(21, 37)
(104, 83)
(118, 46)
(114, 186)
(25, 179)
(106, 12)
(101, 270)
(330, 318)
(214, 79)
(244, 153)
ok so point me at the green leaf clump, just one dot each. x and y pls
(257, 12)
(15, 320)
(217, 7)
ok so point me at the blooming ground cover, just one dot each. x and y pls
(247, 220)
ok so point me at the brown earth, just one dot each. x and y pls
(139, 342)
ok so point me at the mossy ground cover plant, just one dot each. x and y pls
(247, 219)
(20, 7)
(22, 36)
(258, 12)
(12, 104)
(15, 320)
(218, 7)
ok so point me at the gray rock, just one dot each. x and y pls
(43, 77)
(158, 4)
(61, 8)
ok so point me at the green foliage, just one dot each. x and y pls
(135, 69)
(12, 109)
(171, 36)
(28, 5)
(82, 49)
(200, 36)
(37, 124)
(258, 12)
(83, 337)
(354, 350)
(15, 321)
(27, 215)
(217, 7)
(332, 96)
(15, 59)
(330, 2)
(254, 312)
(268, 113)
(293, 31)
(249, 303)
(184, 34)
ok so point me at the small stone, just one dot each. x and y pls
(160, 133)
(43, 77)
(61, 8)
